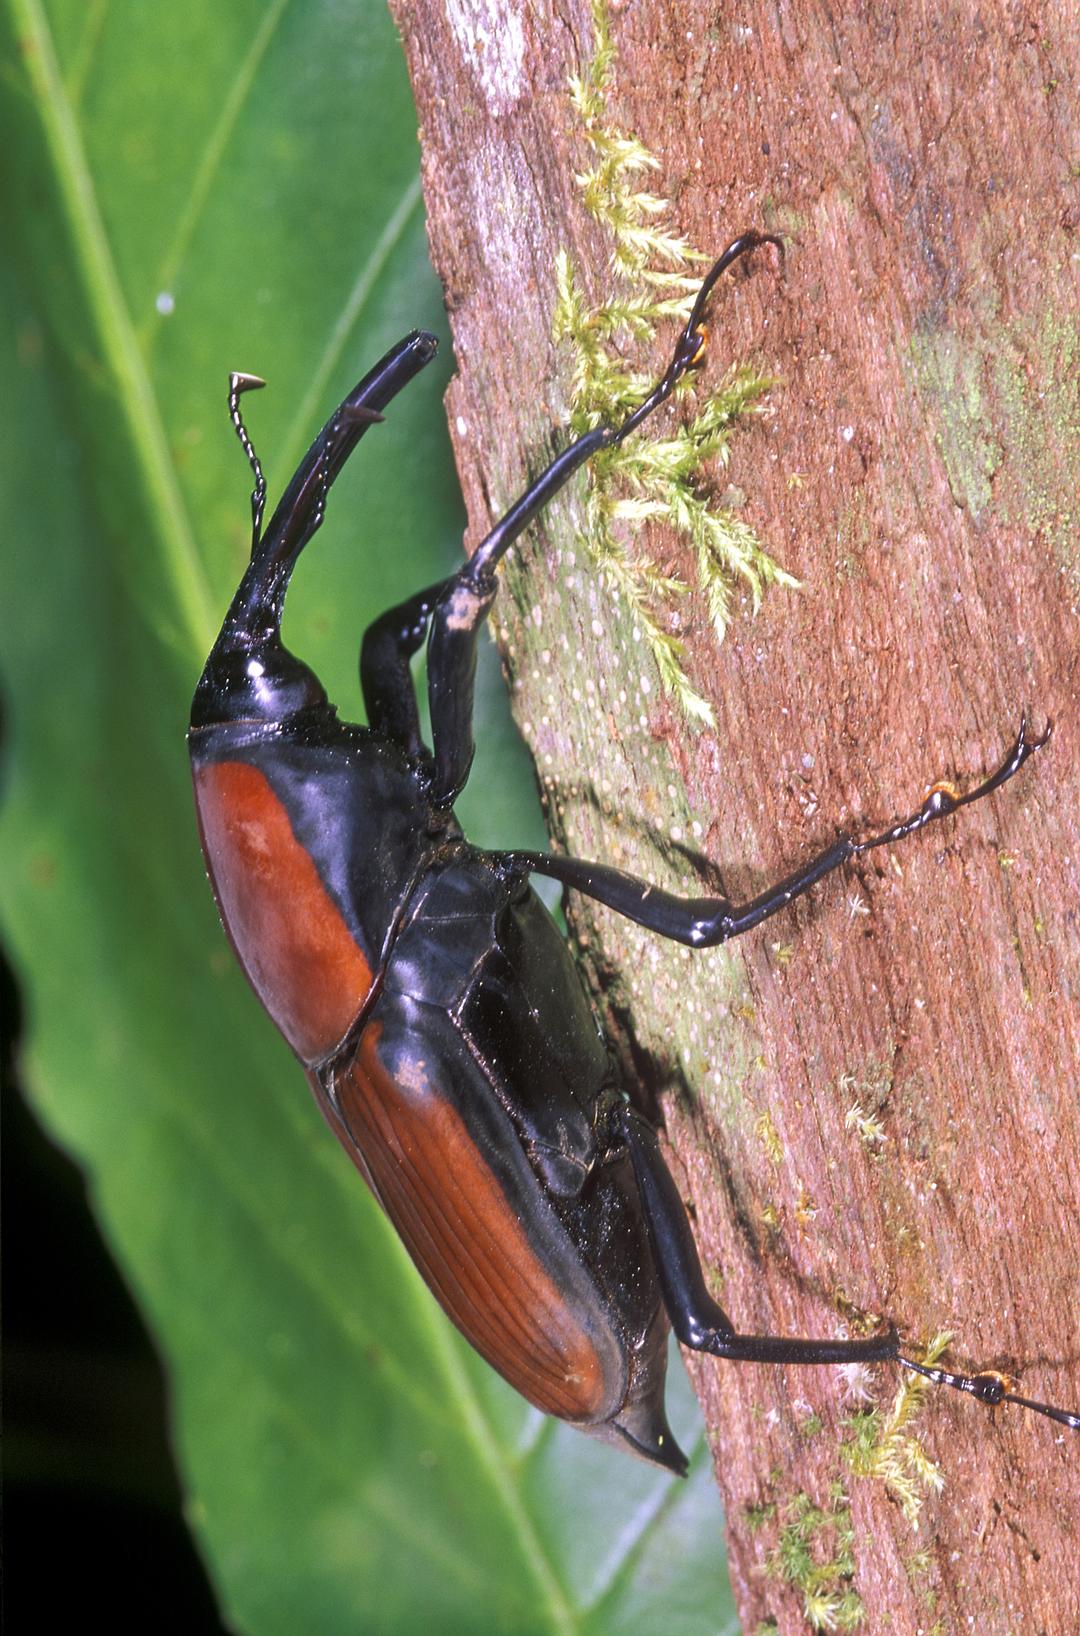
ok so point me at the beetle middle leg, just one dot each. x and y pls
(703, 923)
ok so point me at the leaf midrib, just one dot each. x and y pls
(116, 334)
(195, 617)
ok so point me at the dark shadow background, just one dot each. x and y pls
(93, 1524)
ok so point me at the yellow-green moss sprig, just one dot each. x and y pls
(653, 282)
(815, 1554)
(882, 1445)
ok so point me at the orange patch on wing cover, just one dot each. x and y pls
(456, 1223)
(289, 936)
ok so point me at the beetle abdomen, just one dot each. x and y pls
(517, 1292)
(290, 937)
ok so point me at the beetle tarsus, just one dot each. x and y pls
(991, 1387)
(691, 346)
(687, 354)
(943, 799)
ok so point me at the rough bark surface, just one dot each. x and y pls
(918, 471)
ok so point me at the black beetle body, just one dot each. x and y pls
(461, 1070)
(433, 1003)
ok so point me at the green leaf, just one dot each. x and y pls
(193, 189)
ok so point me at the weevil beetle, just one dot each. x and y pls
(428, 994)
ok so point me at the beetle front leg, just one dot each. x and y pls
(703, 923)
(465, 604)
(456, 621)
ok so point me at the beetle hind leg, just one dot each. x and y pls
(698, 1320)
(700, 1323)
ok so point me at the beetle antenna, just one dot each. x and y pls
(239, 383)
(991, 1387)
(254, 616)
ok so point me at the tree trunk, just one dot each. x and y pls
(872, 1100)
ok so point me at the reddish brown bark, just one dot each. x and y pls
(918, 472)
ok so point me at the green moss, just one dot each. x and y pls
(867, 1094)
(769, 1137)
(950, 377)
(758, 1515)
(650, 481)
(881, 1445)
(1005, 406)
(814, 1552)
